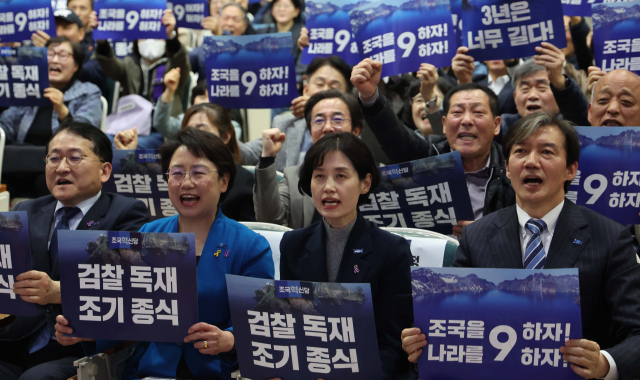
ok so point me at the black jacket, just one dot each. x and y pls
(402, 145)
(110, 212)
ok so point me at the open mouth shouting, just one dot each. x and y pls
(532, 181)
(467, 137)
(63, 182)
(611, 123)
(189, 200)
(531, 108)
(54, 68)
(330, 203)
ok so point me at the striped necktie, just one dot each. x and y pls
(534, 255)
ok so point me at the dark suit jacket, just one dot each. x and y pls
(505, 97)
(609, 273)
(387, 269)
(110, 212)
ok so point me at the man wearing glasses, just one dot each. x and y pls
(78, 162)
(326, 112)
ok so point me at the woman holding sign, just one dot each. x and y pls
(200, 171)
(338, 173)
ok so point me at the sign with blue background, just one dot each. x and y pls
(456, 16)
(19, 19)
(505, 29)
(24, 75)
(330, 31)
(138, 174)
(303, 330)
(129, 19)
(256, 71)
(430, 193)
(489, 324)
(128, 286)
(15, 259)
(402, 34)
(616, 36)
(189, 13)
(608, 178)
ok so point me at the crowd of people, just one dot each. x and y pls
(512, 122)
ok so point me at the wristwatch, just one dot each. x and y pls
(431, 103)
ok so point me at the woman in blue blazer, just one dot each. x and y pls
(338, 173)
(200, 171)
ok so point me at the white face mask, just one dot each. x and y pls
(152, 49)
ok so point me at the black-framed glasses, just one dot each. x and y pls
(177, 176)
(53, 160)
(336, 122)
(63, 55)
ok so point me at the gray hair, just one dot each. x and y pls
(245, 18)
(525, 70)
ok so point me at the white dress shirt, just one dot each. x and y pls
(497, 85)
(84, 207)
(551, 219)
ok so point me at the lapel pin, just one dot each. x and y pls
(358, 251)
(576, 241)
(222, 245)
(92, 223)
(217, 253)
(226, 253)
(355, 269)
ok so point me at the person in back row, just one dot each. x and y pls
(78, 162)
(470, 123)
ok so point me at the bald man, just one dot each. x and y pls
(615, 100)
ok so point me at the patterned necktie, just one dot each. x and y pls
(41, 338)
(534, 255)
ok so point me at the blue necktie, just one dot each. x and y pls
(534, 255)
(41, 338)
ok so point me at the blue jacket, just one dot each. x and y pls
(249, 255)
(82, 99)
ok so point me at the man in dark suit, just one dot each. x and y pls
(78, 162)
(545, 230)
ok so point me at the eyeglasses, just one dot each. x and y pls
(336, 122)
(62, 55)
(417, 100)
(283, 6)
(233, 18)
(53, 160)
(177, 176)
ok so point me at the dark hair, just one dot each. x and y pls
(353, 148)
(199, 90)
(100, 143)
(335, 62)
(90, 1)
(296, 4)
(350, 100)
(528, 125)
(201, 144)
(76, 49)
(494, 105)
(219, 117)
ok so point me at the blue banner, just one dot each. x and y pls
(430, 193)
(456, 16)
(616, 36)
(505, 29)
(256, 71)
(142, 287)
(578, 7)
(402, 34)
(330, 31)
(303, 330)
(138, 174)
(189, 13)
(129, 19)
(19, 19)
(15, 259)
(608, 178)
(24, 75)
(496, 324)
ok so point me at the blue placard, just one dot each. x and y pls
(496, 324)
(189, 13)
(138, 174)
(24, 75)
(608, 178)
(505, 29)
(403, 34)
(330, 334)
(430, 193)
(616, 36)
(15, 259)
(330, 31)
(19, 19)
(578, 7)
(256, 71)
(456, 16)
(129, 19)
(144, 291)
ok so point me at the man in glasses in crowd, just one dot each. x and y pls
(78, 162)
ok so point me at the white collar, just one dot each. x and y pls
(84, 206)
(501, 80)
(551, 219)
